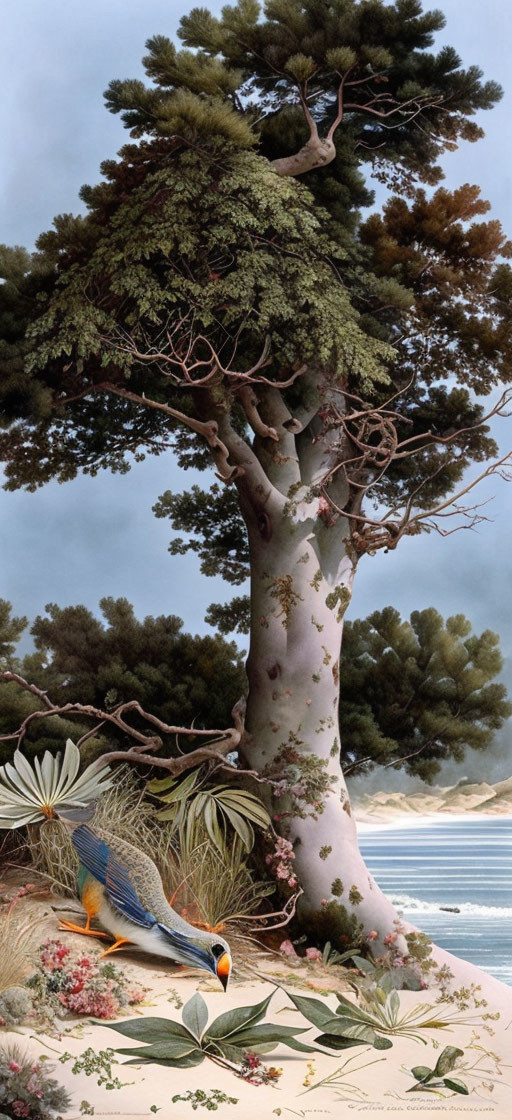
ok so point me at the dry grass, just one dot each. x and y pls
(17, 942)
(208, 888)
(211, 890)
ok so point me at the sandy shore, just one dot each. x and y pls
(368, 1088)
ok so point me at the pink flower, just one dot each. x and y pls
(372, 936)
(252, 1060)
(399, 962)
(20, 1108)
(325, 511)
(14, 1066)
(313, 954)
(286, 947)
(323, 902)
(390, 938)
(292, 882)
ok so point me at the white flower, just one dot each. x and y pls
(31, 793)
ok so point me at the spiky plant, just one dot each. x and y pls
(30, 793)
(227, 813)
(212, 887)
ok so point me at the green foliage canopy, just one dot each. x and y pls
(192, 230)
(416, 693)
(413, 693)
(178, 677)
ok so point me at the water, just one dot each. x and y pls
(466, 864)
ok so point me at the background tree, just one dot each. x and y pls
(415, 694)
(179, 678)
(16, 705)
(210, 301)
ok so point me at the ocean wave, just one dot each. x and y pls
(420, 906)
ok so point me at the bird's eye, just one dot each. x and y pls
(218, 950)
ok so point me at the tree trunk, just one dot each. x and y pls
(297, 605)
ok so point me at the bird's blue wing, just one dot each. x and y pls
(101, 862)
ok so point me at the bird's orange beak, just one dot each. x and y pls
(224, 969)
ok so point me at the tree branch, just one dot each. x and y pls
(222, 744)
(318, 151)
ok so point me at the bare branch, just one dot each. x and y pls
(206, 428)
(249, 402)
(190, 359)
(221, 742)
(287, 913)
(318, 151)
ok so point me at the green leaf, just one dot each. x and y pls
(337, 1042)
(265, 1032)
(349, 1029)
(313, 1010)
(456, 1085)
(422, 1073)
(167, 814)
(151, 1030)
(181, 790)
(246, 804)
(212, 825)
(349, 1010)
(360, 962)
(241, 827)
(296, 1044)
(171, 1049)
(392, 1006)
(195, 1015)
(230, 1022)
(232, 1053)
(193, 1059)
(446, 1060)
(382, 1043)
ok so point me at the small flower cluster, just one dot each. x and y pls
(81, 983)
(202, 1099)
(280, 861)
(393, 959)
(287, 948)
(303, 778)
(255, 1072)
(325, 511)
(26, 1089)
(310, 1074)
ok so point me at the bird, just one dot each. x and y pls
(121, 887)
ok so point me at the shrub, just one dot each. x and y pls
(81, 983)
(26, 1087)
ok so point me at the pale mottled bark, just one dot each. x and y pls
(297, 620)
(316, 153)
(302, 571)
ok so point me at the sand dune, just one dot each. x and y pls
(466, 797)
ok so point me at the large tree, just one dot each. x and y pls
(212, 301)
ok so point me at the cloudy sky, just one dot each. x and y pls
(78, 542)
